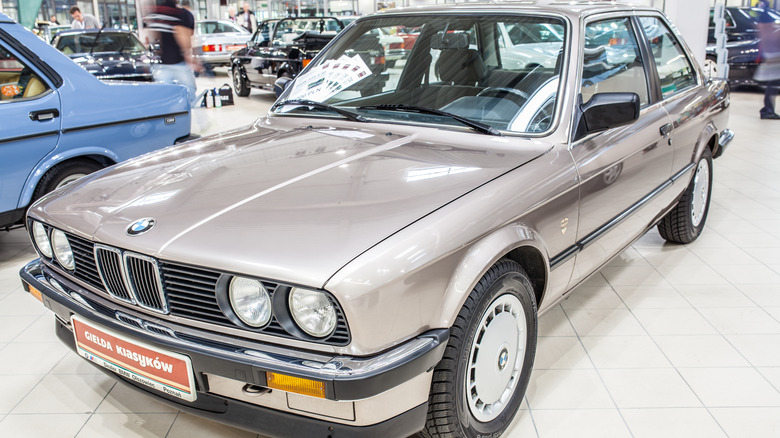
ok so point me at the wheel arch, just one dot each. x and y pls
(515, 242)
(103, 157)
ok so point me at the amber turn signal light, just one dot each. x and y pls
(297, 385)
(36, 293)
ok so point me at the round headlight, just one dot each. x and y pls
(313, 312)
(61, 246)
(250, 301)
(41, 239)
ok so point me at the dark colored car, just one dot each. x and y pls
(280, 50)
(108, 54)
(741, 42)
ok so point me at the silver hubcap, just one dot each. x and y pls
(496, 358)
(701, 186)
(69, 179)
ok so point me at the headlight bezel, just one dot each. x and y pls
(298, 319)
(282, 324)
(231, 291)
(55, 235)
(34, 233)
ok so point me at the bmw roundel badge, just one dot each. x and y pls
(140, 226)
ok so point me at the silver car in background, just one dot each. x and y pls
(214, 41)
(371, 258)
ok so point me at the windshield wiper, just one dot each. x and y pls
(97, 37)
(477, 126)
(303, 102)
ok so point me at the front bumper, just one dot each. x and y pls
(347, 379)
(724, 139)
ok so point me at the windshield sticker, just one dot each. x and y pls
(329, 78)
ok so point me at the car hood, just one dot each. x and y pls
(282, 200)
(115, 63)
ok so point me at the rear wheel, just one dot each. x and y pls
(239, 83)
(481, 380)
(64, 174)
(685, 222)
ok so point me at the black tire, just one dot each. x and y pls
(62, 173)
(685, 222)
(239, 83)
(450, 414)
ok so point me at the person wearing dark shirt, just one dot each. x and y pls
(173, 28)
(769, 69)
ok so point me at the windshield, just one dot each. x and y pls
(287, 30)
(501, 71)
(108, 42)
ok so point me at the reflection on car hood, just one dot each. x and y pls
(114, 63)
(281, 199)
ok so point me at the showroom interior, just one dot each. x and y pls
(665, 340)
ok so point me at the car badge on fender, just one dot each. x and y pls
(140, 226)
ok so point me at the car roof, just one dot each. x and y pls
(573, 8)
(5, 18)
(76, 31)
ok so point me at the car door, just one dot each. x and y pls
(683, 100)
(29, 120)
(624, 172)
(266, 59)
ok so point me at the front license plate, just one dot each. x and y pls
(164, 371)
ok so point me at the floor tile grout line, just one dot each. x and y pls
(96, 408)
(666, 356)
(596, 369)
(170, 428)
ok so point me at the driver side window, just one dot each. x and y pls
(17, 81)
(611, 61)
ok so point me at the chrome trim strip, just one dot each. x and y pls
(684, 170)
(123, 275)
(157, 282)
(124, 122)
(592, 237)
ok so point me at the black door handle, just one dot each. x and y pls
(43, 115)
(666, 129)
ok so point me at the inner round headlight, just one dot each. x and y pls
(62, 250)
(41, 239)
(250, 301)
(313, 312)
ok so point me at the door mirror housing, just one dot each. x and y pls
(605, 111)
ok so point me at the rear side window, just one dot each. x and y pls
(674, 68)
(612, 61)
(17, 81)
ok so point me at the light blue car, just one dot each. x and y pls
(59, 123)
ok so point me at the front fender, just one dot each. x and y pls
(56, 157)
(479, 258)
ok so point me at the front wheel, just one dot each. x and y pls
(239, 83)
(481, 380)
(685, 222)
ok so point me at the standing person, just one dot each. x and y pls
(173, 27)
(232, 13)
(82, 21)
(769, 69)
(53, 20)
(247, 19)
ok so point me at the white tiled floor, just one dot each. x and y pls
(667, 341)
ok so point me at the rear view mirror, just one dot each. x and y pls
(607, 110)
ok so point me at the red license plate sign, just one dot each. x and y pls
(164, 371)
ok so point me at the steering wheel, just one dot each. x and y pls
(515, 95)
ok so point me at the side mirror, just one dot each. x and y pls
(607, 110)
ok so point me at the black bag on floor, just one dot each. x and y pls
(225, 94)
